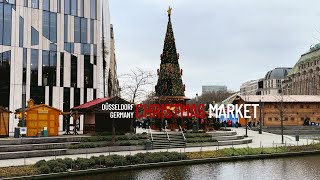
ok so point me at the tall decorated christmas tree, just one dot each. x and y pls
(170, 86)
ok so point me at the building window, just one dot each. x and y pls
(292, 118)
(67, 6)
(61, 68)
(286, 119)
(84, 29)
(35, 4)
(301, 106)
(93, 9)
(21, 32)
(59, 6)
(85, 49)
(66, 105)
(34, 67)
(7, 24)
(302, 119)
(76, 97)
(74, 7)
(77, 32)
(269, 119)
(308, 106)
(91, 31)
(88, 72)
(53, 27)
(5, 59)
(34, 36)
(66, 28)
(46, 5)
(45, 68)
(37, 93)
(276, 119)
(46, 24)
(74, 69)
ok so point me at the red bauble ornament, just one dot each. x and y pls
(184, 87)
(178, 56)
(158, 72)
(181, 71)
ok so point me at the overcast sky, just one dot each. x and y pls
(221, 42)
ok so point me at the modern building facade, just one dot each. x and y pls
(58, 49)
(113, 82)
(304, 79)
(213, 88)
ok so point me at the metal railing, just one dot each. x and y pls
(166, 131)
(150, 131)
(184, 138)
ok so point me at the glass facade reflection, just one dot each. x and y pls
(56, 52)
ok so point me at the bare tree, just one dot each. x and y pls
(135, 85)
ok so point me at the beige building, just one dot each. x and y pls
(304, 79)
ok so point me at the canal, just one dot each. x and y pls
(300, 168)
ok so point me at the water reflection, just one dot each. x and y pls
(302, 168)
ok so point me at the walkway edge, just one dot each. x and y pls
(170, 163)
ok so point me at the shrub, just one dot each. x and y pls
(40, 163)
(44, 169)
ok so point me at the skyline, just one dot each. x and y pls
(261, 37)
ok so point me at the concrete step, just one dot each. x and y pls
(223, 133)
(31, 147)
(41, 140)
(227, 138)
(35, 153)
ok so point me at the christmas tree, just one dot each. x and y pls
(169, 76)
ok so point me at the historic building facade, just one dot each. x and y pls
(304, 79)
(250, 87)
(294, 111)
(272, 82)
(58, 49)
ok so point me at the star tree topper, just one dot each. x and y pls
(169, 11)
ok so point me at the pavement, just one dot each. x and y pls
(258, 140)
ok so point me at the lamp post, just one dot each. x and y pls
(197, 99)
(260, 129)
(23, 121)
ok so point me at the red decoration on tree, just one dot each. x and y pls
(184, 87)
(160, 56)
(158, 72)
(181, 71)
(178, 56)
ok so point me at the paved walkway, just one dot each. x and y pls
(258, 140)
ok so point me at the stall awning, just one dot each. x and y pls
(91, 104)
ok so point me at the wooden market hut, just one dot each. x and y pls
(98, 120)
(4, 122)
(40, 116)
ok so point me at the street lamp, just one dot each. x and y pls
(23, 121)
(260, 106)
(197, 100)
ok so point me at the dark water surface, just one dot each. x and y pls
(300, 168)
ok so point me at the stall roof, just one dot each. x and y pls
(2, 109)
(91, 103)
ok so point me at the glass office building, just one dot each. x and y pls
(54, 47)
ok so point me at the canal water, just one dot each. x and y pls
(294, 168)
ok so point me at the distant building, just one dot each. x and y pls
(271, 84)
(250, 87)
(214, 88)
(304, 78)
